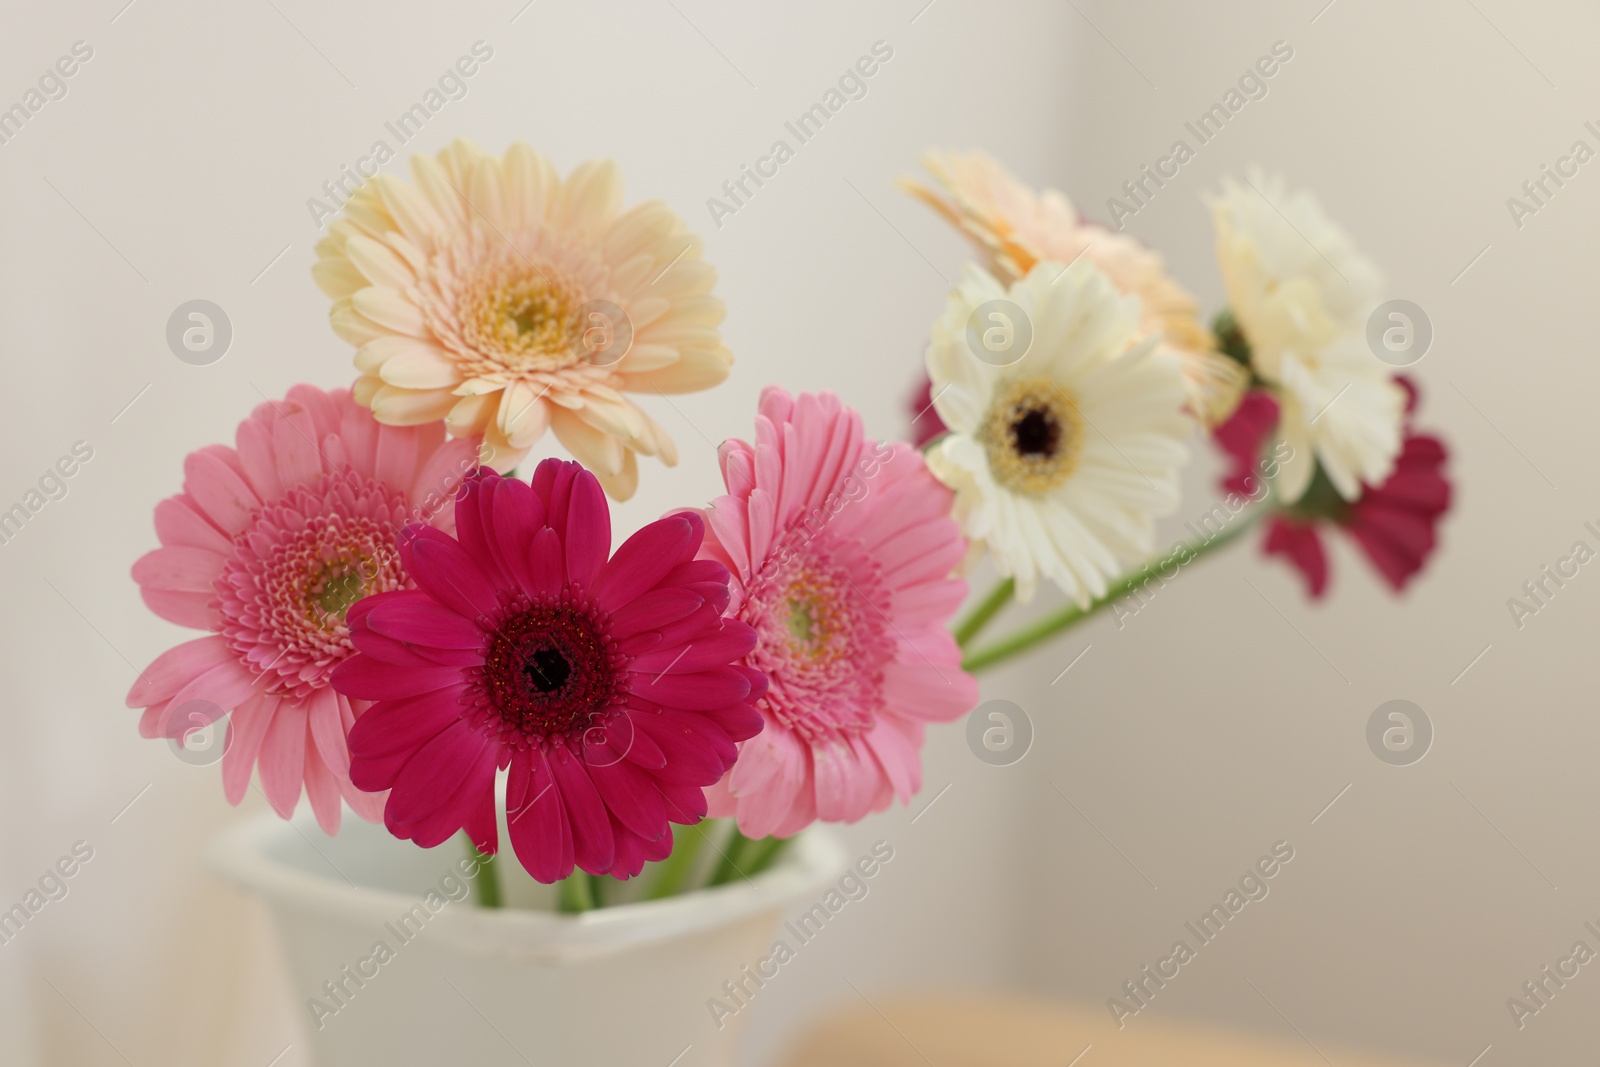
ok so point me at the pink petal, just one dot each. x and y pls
(646, 558)
(194, 610)
(699, 689)
(385, 739)
(322, 789)
(178, 523)
(518, 517)
(397, 456)
(295, 443)
(419, 621)
(654, 610)
(763, 756)
(327, 732)
(227, 685)
(283, 758)
(594, 848)
(764, 810)
(176, 667)
(444, 779)
(632, 797)
(547, 567)
(441, 568)
(219, 491)
(540, 832)
(247, 730)
(732, 642)
(933, 695)
(897, 744)
(588, 531)
(184, 570)
(369, 678)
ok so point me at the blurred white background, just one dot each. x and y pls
(1221, 720)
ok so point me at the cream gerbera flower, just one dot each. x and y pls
(1061, 460)
(1301, 293)
(495, 295)
(1014, 228)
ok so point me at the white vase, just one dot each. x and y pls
(389, 975)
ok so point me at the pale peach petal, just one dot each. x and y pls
(470, 414)
(390, 309)
(595, 449)
(379, 264)
(420, 366)
(411, 407)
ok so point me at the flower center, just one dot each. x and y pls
(821, 640)
(1033, 435)
(297, 568)
(551, 673)
(521, 317)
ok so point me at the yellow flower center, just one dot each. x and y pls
(522, 317)
(1033, 434)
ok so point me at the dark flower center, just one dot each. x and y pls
(547, 670)
(1033, 435)
(550, 672)
(1037, 433)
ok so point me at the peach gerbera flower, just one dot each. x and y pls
(1015, 227)
(493, 294)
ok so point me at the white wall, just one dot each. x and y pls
(1210, 728)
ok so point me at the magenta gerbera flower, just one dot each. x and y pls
(267, 546)
(612, 689)
(841, 550)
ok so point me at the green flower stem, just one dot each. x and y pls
(764, 853)
(487, 882)
(577, 893)
(689, 842)
(735, 855)
(998, 598)
(1020, 641)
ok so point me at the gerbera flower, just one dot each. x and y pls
(1062, 460)
(1014, 228)
(1301, 293)
(925, 423)
(841, 551)
(498, 297)
(612, 689)
(267, 547)
(1395, 523)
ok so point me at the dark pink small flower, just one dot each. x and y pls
(925, 421)
(1395, 523)
(609, 685)
(1242, 437)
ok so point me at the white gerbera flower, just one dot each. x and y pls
(1336, 408)
(1015, 227)
(1062, 459)
(1301, 293)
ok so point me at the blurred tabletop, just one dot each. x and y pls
(988, 1031)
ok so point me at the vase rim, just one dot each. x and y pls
(243, 855)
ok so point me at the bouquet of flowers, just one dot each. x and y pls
(396, 622)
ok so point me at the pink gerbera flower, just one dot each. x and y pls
(841, 551)
(613, 690)
(267, 546)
